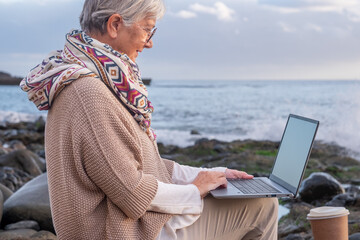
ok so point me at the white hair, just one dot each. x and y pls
(95, 13)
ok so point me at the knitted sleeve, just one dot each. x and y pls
(169, 166)
(111, 152)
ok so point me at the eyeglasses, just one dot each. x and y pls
(150, 32)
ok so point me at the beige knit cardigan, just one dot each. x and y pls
(102, 168)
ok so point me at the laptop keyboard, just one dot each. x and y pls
(253, 186)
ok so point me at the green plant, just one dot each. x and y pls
(269, 153)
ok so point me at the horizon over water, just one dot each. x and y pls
(234, 109)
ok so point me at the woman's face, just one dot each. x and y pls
(133, 39)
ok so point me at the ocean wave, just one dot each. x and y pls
(15, 117)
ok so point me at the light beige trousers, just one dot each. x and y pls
(232, 219)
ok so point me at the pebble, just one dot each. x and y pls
(26, 224)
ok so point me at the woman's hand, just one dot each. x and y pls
(234, 174)
(209, 180)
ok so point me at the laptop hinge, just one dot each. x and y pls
(284, 184)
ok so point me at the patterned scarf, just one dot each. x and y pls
(84, 56)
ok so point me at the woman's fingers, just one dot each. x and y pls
(233, 174)
(209, 180)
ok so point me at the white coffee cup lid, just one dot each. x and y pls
(327, 212)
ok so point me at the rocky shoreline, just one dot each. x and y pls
(25, 212)
(332, 178)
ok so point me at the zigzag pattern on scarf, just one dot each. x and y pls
(119, 79)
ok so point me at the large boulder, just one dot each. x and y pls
(320, 186)
(30, 202)
(355, 236)
(24, 160)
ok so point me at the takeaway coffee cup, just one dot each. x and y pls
(329, 223)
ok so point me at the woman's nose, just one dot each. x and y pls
(149, 44)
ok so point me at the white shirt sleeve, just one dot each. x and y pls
(182, 197)
(177, 199)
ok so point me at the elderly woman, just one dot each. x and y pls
(106, 177)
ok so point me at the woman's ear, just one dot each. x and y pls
(113, 25)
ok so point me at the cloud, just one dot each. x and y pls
(353, 14)
(37, 2)
(317, 5)
(314, 27)
(349, 8)
(186, 14)
(10, 1)
(220, 10)
(311, 5)
(284, 10)
(287, 27)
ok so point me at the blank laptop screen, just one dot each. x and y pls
(293, 152)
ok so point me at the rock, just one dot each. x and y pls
(40, 124)
(24, 160)
(9, 134)
(13, 178)
(295, 222)
(320, 186)
(3, 151)
(298, 209)
(355, 181)
(209, 147)
(357, 202)
(43, 235)
(221, 148)
(5, 191)
(194, 132)
(28, 224)
(37, 149)
(167, 149)
(297, 236)
(355, 236)
(31, 202)
(1, 205)
(342, 200)
(24, 135)
(16, 145)
(18, 234)
(201, 141)
(290, 229)
(353, 190)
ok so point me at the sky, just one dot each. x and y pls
(204, 39)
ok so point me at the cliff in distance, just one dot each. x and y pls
(7, 79)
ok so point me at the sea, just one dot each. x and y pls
(234, 110)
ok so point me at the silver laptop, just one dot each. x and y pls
(288, 169)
